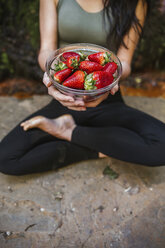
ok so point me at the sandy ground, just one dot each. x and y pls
(77, 206)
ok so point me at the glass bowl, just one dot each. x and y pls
(86, 48)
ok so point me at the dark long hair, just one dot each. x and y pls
(123, 14)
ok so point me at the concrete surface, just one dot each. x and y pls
(77, 206)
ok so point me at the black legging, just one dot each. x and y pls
(112, 128)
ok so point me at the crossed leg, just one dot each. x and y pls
(117, 130)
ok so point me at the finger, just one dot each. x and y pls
(73, 104)
(114, 89)
(58, 95)
(46, 80)
(77, 108)
(97, 101)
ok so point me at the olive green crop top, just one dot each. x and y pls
(75, 25)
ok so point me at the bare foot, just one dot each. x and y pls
(61, 127)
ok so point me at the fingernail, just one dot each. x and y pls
(49, 84)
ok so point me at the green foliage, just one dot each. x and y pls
(19, 35)
(28, 12)
(5, 65)
(111, 173)
(151, 50)
(20, 18)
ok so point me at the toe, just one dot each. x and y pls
(35, 122)
(23, 123)
(26, 125)
(25, 128)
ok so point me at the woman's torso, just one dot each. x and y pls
(75, 25)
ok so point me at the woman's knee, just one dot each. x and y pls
(9, 161)
(7, 164)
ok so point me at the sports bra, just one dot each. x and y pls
(75, 25)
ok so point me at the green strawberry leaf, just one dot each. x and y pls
(111, 173)
(107, 57)
(82, 55)
(60, 66)
(89, 82)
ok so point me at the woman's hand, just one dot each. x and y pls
(103, 97)
(114, 89)
(67, 101)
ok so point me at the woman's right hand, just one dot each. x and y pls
(67, 101)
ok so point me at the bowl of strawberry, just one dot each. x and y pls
(83, 70)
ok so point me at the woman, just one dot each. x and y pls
(68, 130)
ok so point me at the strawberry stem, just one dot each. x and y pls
(82, 55)
(74, 63)
(107, 57)
(60, 66)
(90, 83)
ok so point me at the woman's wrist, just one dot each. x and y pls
(126, 69)
(42, 57)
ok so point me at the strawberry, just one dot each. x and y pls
(70, 54)
(89, 66)
(60, 66)
(76, 80)
(110, 67)
(97, 80)
(60, 76)
(102, 57)
(73, 62)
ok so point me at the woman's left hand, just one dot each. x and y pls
(114, 89)
(103, 97)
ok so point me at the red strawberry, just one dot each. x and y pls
(90, 66)
(73, 62)
(110, 67)
(60, 66)
(97, 80)
(70, 54)
(102, 58)
(76, 80)
(60, 76)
